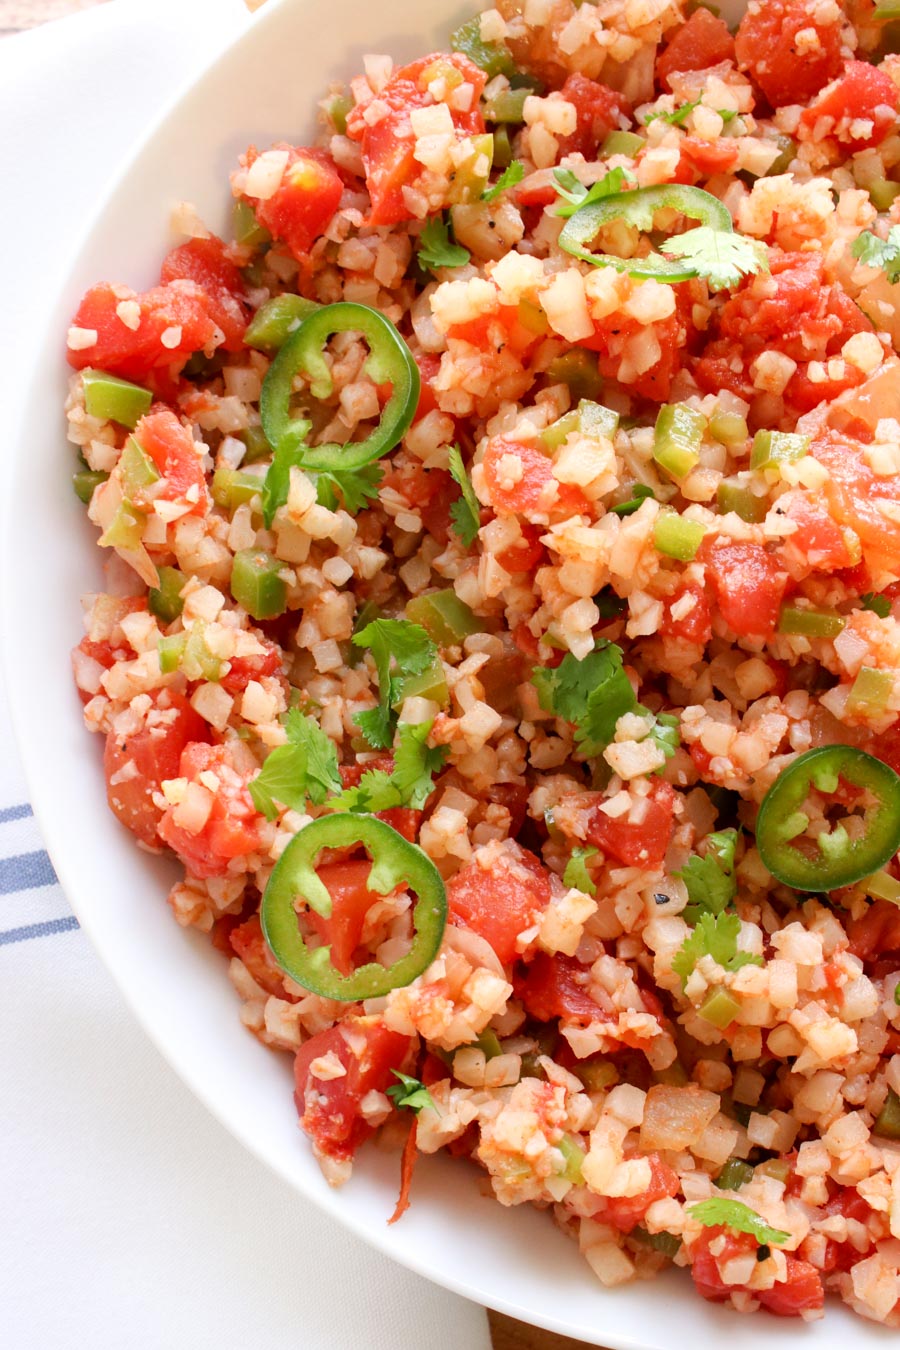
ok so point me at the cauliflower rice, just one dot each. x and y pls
(661, 510)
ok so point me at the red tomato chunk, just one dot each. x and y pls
(175, 453)
(859, 109)
(640, 843)
(303, 204)
(748, 585)
(144, 337)
(330, 1107)
(204, 262)
(702, 42)
(231, 827)
(135, 765)
(767, 47)
(556, 986)
(500, 899)
(626, 1212)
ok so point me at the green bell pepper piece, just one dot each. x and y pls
(165, 599)
(446, 619)
(394, 862)
(771, 449)
(623, 143)
(275, 321)
(114, 400)
(814, 623)
(578, 369)
(677, 537)
(246, 228)
(494, 58)
(677, 439)
(85, 482)
(736, 497)
(256, 584)
(735, 1174)
(887, 1124)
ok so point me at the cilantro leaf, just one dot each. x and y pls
(409, 1092)
(436, 249)
(409, 783)
(665, 733)
(512, 174)
(883, 253)
(415, 763)
(716, 935)
(277, 482)
(638, 493)
(399, 648)
(710, 880)
(878, 604)
(350, 490)
(576, 195)
(592, 694)
(737, 1216)
(577, 874)
(721, 256)
(305, 767)
(676, 118)
(466, 510)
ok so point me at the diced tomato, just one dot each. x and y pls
(766, 46)
(804, 393)
(694, 626)
(526, 552)
(640, 844)
(709, 157)
(793, 310)
(748, 585)
(203, 261)
(180, 311)
(500, 900)
(247, 942)
(626, 1212)
(801, 1292)
(351, 901)
(388, 145)
(429, 364)
(705, 1266)
(722, 367)
(852, 492)
(599, 111)
(243, 669)
(174, 452)
(329, 1108)
(232, 827)
(818, 540)
(500, 330)
(850, 1205)
(556, 986)
(859, 109)
(701, 757)
(528, 487)
(137, 764)
(877, 932)
(613, 334)
(404, 819)
(702, 42)
(304, 202)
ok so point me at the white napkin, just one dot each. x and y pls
(130, 1219)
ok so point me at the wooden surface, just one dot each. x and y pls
(506, 1333)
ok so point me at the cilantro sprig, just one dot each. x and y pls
(719, 1211)
(722, 257)
(400, 648)
(870, 249)
(680, 115)
(577, 874)
(353, 490)
(592, 694)
(512, 174)
(715, 935)
(465, 513)
(305, 767)
(710, 880)
(410, 1093)
(409, 783)
(437, 249)
(878, 604)
(574, 194)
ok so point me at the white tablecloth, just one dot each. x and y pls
(129, 1218)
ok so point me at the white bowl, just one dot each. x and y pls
(262, 89)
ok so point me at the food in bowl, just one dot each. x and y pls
(503, 532)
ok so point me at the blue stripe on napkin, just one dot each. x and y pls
(25, 871)
(36, 930)
(14, 812)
